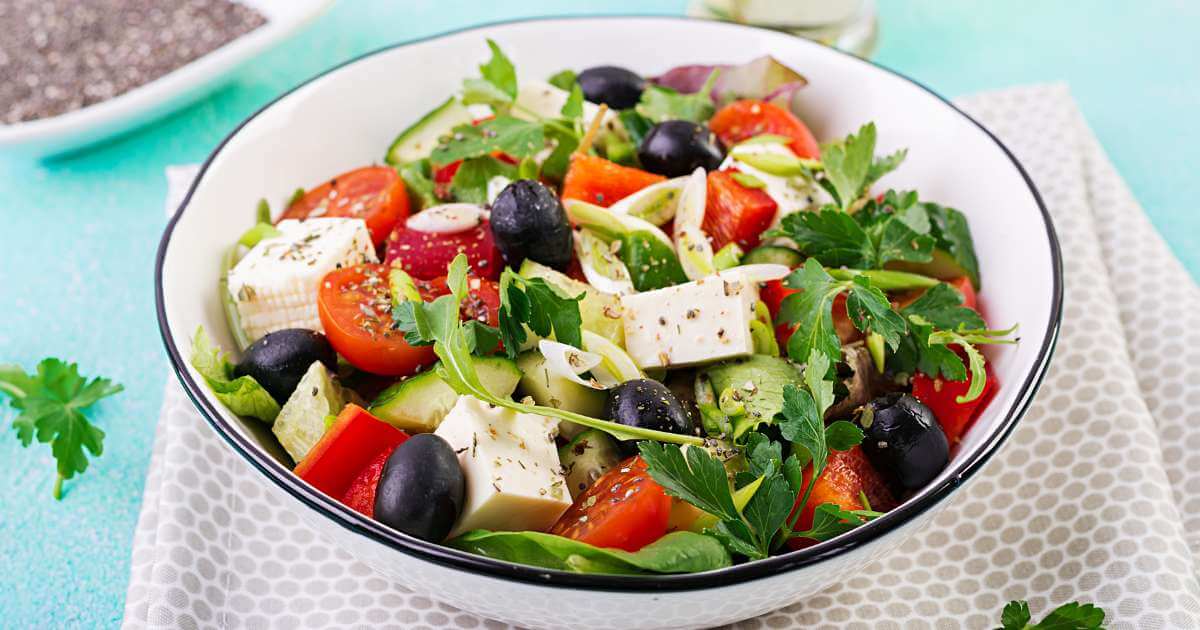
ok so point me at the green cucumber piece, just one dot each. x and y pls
(555, 391)
(601, 312)
(301, 421)
(586, 457)
(419, 403)
(418, 141)
(773, 254)
(756, 384)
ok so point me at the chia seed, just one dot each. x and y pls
(57, 56)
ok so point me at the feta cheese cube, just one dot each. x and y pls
(514, 478)
(698, 322)
(275, 284)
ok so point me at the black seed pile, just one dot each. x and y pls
(61, 55)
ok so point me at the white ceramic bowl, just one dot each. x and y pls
(82, 127)
(348, 116)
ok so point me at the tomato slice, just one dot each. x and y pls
(742, 120)
(734, 213)
(426, 255)
(375, 194)
(624, 509)
(964, 286)
(599, 181)
(941, 395)
(773, 294)
(355, 306)
(353, 442)
(847, 477)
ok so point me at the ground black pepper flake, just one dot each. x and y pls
(61, 55)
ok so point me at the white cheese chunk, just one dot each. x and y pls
(697, 322)
(514, 478)
(275, 284)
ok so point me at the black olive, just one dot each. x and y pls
(421, 489)
(617, 87)
(279, 359)
(528, 221)
(676, 147)
(646, 404)
(903, 440)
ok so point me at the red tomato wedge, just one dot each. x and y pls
(624, 509)
(354, 441)
(847, 477)
(355, 306)
(375, 194)
(742, 120)
(773, 294)
(941, 396)
(601, 182)
(964, 286)
(426, 255)
(734, 213)
(360, 495)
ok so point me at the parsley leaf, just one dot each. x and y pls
(51, 403)
(870, 311)
(660, 103)
(418, 181)
(830, 520)
(540, 305)
(470, 181)
(953, 236)
(498, 85)
(850, 166)
(831, 236)
(698, 478)
(563, 80)
(516, 137)
(243, 395)
(1070, 616)
(904, 236)
(877, 234)
(573, 108)
(942, 306)
(425, 322)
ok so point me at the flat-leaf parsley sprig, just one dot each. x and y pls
(1069, 616)
(51, 403)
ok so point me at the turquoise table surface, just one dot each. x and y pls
(79, 234)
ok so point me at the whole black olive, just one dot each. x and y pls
(676, 147)
(903, 440)
(278, 360)
(528, 221)
(646, 404)
(421, 489)
(617, 87)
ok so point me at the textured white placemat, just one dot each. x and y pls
(1096, 497)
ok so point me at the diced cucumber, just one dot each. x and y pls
(754, 384)
(419, 403)
(601, 312)
(301, 421)
(418, 141)
(585, 458)
(555, 391)
(773, 254)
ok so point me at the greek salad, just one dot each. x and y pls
(606, 323)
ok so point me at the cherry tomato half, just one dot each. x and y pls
(375, 194)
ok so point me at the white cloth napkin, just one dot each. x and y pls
(1096, 497)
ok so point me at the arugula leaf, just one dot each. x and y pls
(482, 339)
(243, 395)
(418, 180)
(573, 108)
(563, 79)
(51, 403)
(660, 103)
(676, 552)
(940, 306)
(830, 520)
(516, 137)
(498, 85)
(967, 340)
(470, 181)
(540, 305)
(1069, 616)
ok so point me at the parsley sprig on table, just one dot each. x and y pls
(763, 524)
(51, 403)
(1070, 616)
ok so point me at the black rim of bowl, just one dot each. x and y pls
(446, 556)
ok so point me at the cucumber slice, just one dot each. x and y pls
(551, 390)
(418, 403)
(773, 254)
(587, 457)
(601, 312)
(301, 421)
(418, 141)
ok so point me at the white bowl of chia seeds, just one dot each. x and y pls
(76, 73)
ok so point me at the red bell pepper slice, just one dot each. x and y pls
(847, 477)
(355, 440)
(941, 396)
(603, 183)
(734, 213)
